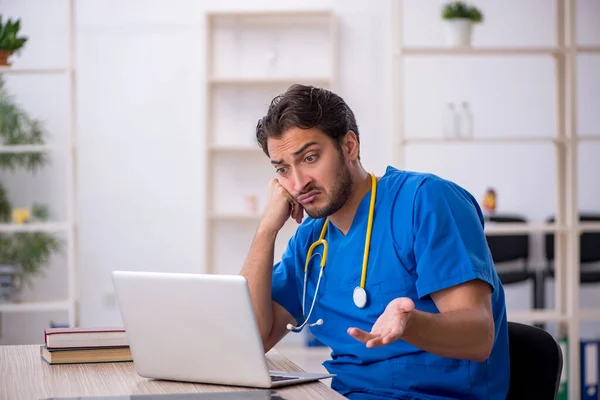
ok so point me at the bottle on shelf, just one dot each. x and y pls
(451, 122)
(490, 202)
(466, 121)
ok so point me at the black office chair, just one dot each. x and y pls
(536, 363)
(589, 251)
(510, 248)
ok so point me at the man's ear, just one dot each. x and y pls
(350, 146)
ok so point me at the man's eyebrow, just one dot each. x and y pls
(300, 150)
(306, 146)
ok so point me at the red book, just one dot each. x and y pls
(61, 338)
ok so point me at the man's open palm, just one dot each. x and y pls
(390, 325)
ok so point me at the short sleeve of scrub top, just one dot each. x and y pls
(449, 242)
(284, 291)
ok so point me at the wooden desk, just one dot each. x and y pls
(24, 375)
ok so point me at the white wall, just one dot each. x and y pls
(141, 123)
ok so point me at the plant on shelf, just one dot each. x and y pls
(459, 18)
(10, 41)
(23, 255)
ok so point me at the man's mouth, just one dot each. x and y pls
(308, 197)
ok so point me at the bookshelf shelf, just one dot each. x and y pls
(8, 149)
(268, 80)
(236, 149)
(589, 314)
(270, 17)
(35, 70)
(479, 140)
(536, 316)
(589, 138)
(588, 49)
(35, 306)
(39, 227)
(235, 217)
(517, 228)
(589, 227)
(479, 51)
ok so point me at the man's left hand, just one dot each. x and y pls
(390, 325)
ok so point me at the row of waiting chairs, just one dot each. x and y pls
(512, 248)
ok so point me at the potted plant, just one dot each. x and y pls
(23, 255)
(459, 18)
(10, 42)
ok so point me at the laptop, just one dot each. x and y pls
(196, 328)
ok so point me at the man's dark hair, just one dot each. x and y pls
(306, 107)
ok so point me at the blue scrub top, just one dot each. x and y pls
(427, 235)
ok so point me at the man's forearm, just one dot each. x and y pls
(258, 270)
(463, 334)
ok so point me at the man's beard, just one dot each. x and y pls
(339, 194)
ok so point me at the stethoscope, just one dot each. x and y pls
(359, 296)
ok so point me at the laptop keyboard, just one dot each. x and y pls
(276, 378)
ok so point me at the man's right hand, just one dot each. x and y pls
(280, 206)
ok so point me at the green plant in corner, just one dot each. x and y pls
(461, 10)
(29, 252)
(10, 41)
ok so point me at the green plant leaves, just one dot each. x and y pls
(9, 39)
(17, 128)
(5, 207)
(459, 9)
(30, 251)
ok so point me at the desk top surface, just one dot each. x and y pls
(24, 375)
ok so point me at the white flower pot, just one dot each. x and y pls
(458, 32)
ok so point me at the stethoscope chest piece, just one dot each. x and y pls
(360, 297)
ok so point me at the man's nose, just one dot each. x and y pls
(301, 181)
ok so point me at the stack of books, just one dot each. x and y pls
(85, 345)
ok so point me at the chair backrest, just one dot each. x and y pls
(505, 248)
(536, 363)
(589, 242)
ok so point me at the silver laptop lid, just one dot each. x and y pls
(192, 327)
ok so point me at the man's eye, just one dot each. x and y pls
(280, 171)
(311, 158)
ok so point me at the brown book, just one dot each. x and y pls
(87, 355)
(60, 338)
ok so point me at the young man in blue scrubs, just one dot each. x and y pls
(408, 299)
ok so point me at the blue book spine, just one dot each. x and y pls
(590, 375)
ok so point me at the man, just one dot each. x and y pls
(408, 299)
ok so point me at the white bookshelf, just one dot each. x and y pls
(68, 153)
(241, 80)
(564, 54)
